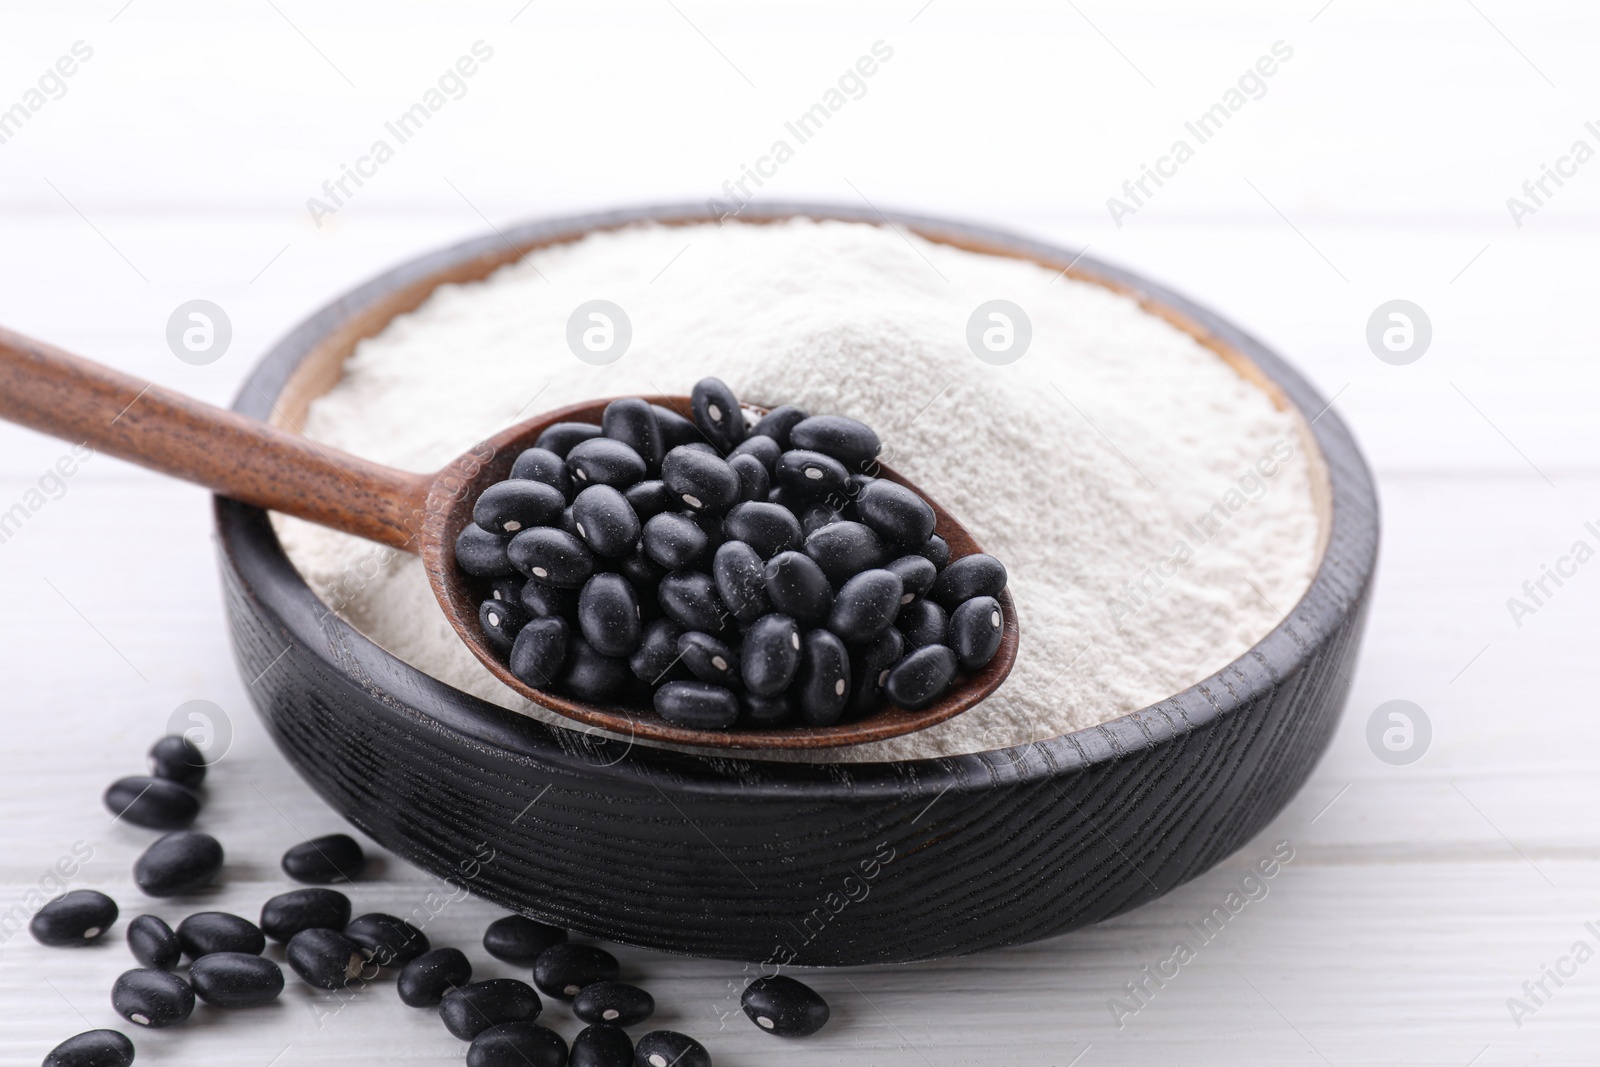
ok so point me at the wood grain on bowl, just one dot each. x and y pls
(735, 857)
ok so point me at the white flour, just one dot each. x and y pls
(1082, 466)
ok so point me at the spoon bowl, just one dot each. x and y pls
(75, 399)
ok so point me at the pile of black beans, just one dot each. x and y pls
(329, 950)
(730, 573)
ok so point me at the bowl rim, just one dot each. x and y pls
(1348, 551)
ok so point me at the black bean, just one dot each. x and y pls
(287, 914)
(822, 684)
(108, 1048)
(602, 461)
(152, 998)
(690, 599)
(601, 1045)
(425, 980)
(702, 480)
(754, 481)
(518, 1044)
(762, 447)
(591, 675)
(471, 1009)
(656, 659)
(975, 631)
(740, 581)
(870, 665)
(555, 557)
(844, 549)
(543, 465)
(540, 600)
(325, 958)
(922, 622)
(717, 414)
(676, 428)
(155, 803)
(668, 1048)
(633, 422)
(815, 516)
(850, 442)
(235, 979)
(483, 554)
(916, 574)
(153, 943)
(979, 574)
(176, 758)
(767, 528)
(568, 523)
(606, 522)
(936, 551)
(866, 605)
(763, 713)
(709, 659)
(697, 705)
(608, 615)
(330, 858)
(501, 622)
(778, 423)
(540, 651)
(783, 1006)
(386, 940)
(797, 587)
(519, 939)
(560, 437)
(921, 678)
(770, 654)
(613, 1002)
(673, 540)
(509, 507)
(178, 863)
(206, 932)
(649, 499)
(561, 970)
(74, 918)
(811, 474)
(897, 513)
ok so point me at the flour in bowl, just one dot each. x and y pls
(1153, 507)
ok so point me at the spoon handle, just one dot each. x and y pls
(66, 396)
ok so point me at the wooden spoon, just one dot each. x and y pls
(57, 393)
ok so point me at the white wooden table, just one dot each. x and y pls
(1377, 165)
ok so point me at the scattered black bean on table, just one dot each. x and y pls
(323, 860)
(92, 1048)
(518, 939)
(206, 932)
(784, 1006)
(154, 943)
(235, 979)
(668, 1048)
(176, 758)
(178, 863)
(154, 803)
(677, 545)
(151, 998)
(613, 1002)
(517, 1044)
(287, 914)
(469, 1010)
(386, 940)
(564, 969)
(74, 918)
(324, 958)
(425, 980)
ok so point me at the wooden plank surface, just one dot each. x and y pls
(1419, 899)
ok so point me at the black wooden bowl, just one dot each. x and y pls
(788, 862)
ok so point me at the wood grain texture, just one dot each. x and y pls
(759, 861)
